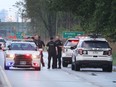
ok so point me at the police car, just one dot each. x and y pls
(68, 50)
(22, 55)
(3, 43)
(92, 52)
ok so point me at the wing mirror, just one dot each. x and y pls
(72, 48)
(9, 47)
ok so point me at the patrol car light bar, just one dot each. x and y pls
(95, 36)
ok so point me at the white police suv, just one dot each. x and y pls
(67, 54)
(92, 52)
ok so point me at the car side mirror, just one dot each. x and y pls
(72, 48)
(9, 47)
(35, 49)
(110, 48)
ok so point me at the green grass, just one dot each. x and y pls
(114, 58)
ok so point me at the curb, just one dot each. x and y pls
(4, 80)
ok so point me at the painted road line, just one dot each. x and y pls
(4, 79)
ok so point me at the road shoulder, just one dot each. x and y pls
(3, 78)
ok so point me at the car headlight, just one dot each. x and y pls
(35, 56)
(10, 55)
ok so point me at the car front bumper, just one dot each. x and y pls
(34, 63)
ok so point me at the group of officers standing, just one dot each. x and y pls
(54, 49)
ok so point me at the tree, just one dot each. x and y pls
(39, 10)
(94, 15)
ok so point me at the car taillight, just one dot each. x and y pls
(85, 52)
(109, 52)
(80, 51)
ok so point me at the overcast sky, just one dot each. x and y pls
(6, 4)
(12, 11)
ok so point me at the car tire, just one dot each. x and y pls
(108, 69)
(77, 67)
(73, 66)
(64, 64)
(6, 67)
(38, 68)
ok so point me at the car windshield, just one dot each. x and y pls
(22, 46)
(2, 40)
(95, 44)
(71, 42)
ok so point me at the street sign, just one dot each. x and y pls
(71, 34)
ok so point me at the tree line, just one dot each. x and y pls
(57, 16)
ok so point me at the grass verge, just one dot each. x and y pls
(114, 58)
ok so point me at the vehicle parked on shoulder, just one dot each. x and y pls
(92, 52)
(69, 46)
(3, 43)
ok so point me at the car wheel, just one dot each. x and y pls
(64, 64)
(108, 69)
(6, 67)
(77, 67)
(72, 66)
(37, 68)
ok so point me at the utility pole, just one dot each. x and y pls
(22, 14)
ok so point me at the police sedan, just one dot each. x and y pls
(22, 55)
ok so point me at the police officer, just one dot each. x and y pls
(52, 53)
(40, 44)
(59, 45)
(0, 46)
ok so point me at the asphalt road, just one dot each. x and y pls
(64, 77)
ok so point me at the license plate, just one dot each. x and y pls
(95, 52)
(69, 54)
(23, 62)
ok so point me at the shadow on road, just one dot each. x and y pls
(22, 69)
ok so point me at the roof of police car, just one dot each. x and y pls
(73, 39)
(22, 42)
(95, 39)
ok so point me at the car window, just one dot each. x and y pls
(71, 42)
(95, 44)
(2, 40)
(22, 46)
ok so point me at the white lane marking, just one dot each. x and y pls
(5, 77)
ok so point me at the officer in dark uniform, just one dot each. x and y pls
(40, 44)
(52, 53)
(59, 45)
(0, 46)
